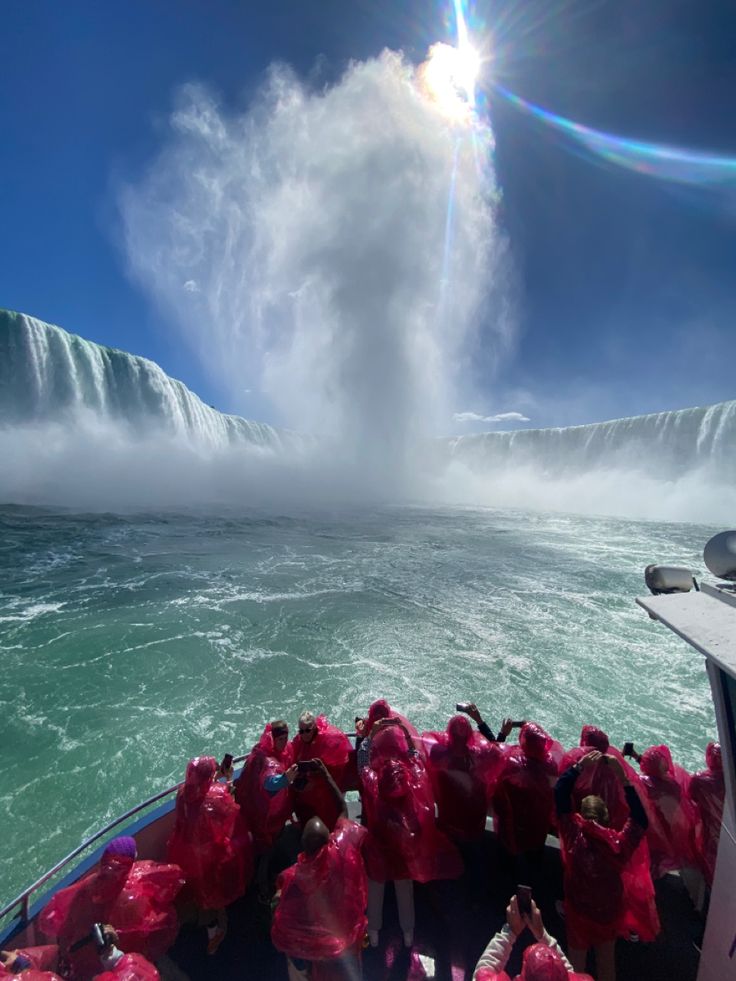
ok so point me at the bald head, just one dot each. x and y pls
(314, 836)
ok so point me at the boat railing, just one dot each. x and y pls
(24, 899)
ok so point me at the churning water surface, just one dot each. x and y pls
(132, 642)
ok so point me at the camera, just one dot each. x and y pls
(307, 766)
(524, 900)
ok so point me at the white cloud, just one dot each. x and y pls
(499, 417)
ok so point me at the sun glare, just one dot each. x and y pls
(450, 75)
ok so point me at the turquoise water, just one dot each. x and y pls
(132, 642)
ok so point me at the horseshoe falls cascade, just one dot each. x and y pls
(667, 444)
(46, 372)
(50, 376)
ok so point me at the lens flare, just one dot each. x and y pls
(707, 170)
(449, 76)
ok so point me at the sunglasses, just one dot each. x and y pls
(306, 729)
(279, 733)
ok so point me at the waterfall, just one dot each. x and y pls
(47, 374)
(666, 445)
(82, 423)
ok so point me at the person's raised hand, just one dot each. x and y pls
(514, 918)
(319, 766)
(590, 759)
(292, 773)
(534, 922)
(472, 711)
(506, 726)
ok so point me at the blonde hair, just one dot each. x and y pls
(594, 808)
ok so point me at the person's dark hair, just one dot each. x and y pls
(279, 727)
(594, 808)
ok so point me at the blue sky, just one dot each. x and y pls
(624, 285)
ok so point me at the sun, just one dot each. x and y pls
(450, 75)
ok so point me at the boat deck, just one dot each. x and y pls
(455, 920)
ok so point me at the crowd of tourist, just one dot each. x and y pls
(424, 799)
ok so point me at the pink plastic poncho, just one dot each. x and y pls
(523, 801)
(672, 815)
(384, 742)
(707, 791)
(332, 746)
(210, 840)
(539, 963)
(608, 892)
(599, 779)
(321, 912)
(265, 814)
(463, 767)
(404, 842)
(43, 960)
(132, 967)
(135, 897)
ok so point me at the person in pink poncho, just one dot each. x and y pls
(599, 780)
(543, 960)
(136, 898)
(317, 739)
(404, 844)
(211, 844)
(320, 922)
(264, 794)
(707, 792)
(672, 815)
(606, 894)
(523, 801)
(266, 812)
(371, 734)
(463, 767)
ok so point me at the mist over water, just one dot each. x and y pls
(332, 250)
